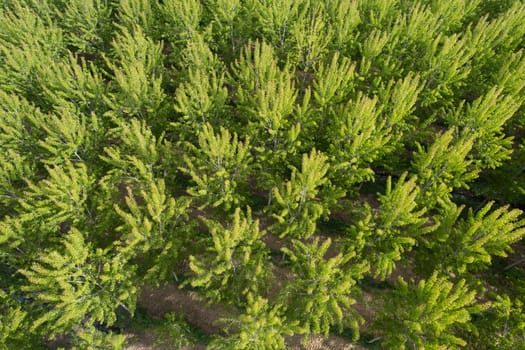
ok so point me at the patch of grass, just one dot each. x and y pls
(172, 332)
(175, 332)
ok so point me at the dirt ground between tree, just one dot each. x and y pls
(159, 301)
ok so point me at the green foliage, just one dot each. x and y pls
(55, 203)
(137, 156)
(344, 18)
(28, 44)
(224, 14)
(91, 338)
(382, 237)
(485, 119)
(218, 166)
(136, 14)
(468, 244)
(202, 96)
(12, 333)
(260, 327)
(454, 13)
(156, 229)
(491, 43)
(442, 167)
(423, 316)
(122, 121)
(13, 168)
(266, 94)
(180, 20)
(512, 171)
(364, 130)
(76, 85)
(502, 326)
(86, 24)
(174, 332)
(77, 285)
(510, 76)
(305, 198)
(137, 76)
(311, 35)
(64, 135)
(200, 100)
(274, 19)
(319, 296)
(359, 137)
(69, 136)
(18, 145)
(333, 82)
(400, 98)
(235, 260)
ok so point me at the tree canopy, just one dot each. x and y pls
(350, 167)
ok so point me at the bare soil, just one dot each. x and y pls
(199, 313)
(159, 301)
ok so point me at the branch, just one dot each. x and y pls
(514, 264)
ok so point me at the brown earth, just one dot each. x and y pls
(157, 301)
(199, 313)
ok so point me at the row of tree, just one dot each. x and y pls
(150, 142)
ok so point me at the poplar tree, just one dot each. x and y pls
(138, 158)
(333, 84)
(19, 146)
(136, 14)
(135, 161)
(311, 35)
(357, 140)
(224, 22)
(344, 17)
(52, 206)
(137, 79)
(502, 326)
(180, 21)
(29, 42)
(485, 118)
(87, 24)
(274, 19)
(77, 87)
